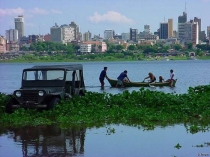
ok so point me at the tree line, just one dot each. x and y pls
(113, 48)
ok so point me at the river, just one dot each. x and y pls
(109, 140)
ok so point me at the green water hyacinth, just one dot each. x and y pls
(143, 107)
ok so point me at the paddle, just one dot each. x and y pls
(151, 86)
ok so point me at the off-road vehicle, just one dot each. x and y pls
(45, 86)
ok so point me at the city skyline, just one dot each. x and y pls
(97, 16)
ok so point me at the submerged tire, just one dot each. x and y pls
(53, 102)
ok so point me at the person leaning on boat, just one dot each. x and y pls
(102, 76)
(151, 77)
(172, 78)
(121, 77)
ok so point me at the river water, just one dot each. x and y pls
(125, 141)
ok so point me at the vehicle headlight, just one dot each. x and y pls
(41, 93)
(18, 94)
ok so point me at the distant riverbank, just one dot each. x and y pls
(103, 59)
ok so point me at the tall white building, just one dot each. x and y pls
(67, 33)
(19, 25)
(12, 35)
(109, 34)
(62, 34)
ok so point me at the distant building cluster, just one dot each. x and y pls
(188, 31)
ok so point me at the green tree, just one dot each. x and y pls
(189, 46)
(131, 47)
(119, 47)
(177, 47)
(23, 48)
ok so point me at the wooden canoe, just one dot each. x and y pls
(141, 84)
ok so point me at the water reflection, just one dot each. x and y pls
(49, 140)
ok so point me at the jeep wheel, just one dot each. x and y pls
(53, 102)
(8, 107)
(81, 93)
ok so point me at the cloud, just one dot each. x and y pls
(110, 16)
(12, 12)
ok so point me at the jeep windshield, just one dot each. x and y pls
(31, 75)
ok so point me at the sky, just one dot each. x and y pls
(98, 15)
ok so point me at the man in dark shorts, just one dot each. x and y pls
(121, 78)
(102, 76)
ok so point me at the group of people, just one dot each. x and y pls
(124, 78)
(161, 79)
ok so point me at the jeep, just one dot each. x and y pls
(45, 86)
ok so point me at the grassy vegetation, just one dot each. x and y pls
(144, 107)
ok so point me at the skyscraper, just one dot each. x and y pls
(170, 27)
(147, 29)
(181, 24)
(134, 35)
(76, 30)
(182, 18)
(208, 31)
(12, 35)
(195, 33)
(109, 34)
(164, 30)
(86, 36)
(19, 25)
(199, 26)
(62, 34)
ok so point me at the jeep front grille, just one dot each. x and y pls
(31, 96)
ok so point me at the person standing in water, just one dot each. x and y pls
(102, 76)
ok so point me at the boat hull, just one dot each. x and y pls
(113, 83)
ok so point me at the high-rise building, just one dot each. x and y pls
(12, 35)
(62, 34)
(125, 36)
(76, 30)
(109, 34)
(170, 27)
(86, 36)
(182, 18)
(163, 30)
(208, 31)
(147, 29)
(195, 33)
(19, 25)
(134, 34)
(190, 30)
(199, 26)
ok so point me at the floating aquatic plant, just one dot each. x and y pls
(144, 107)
